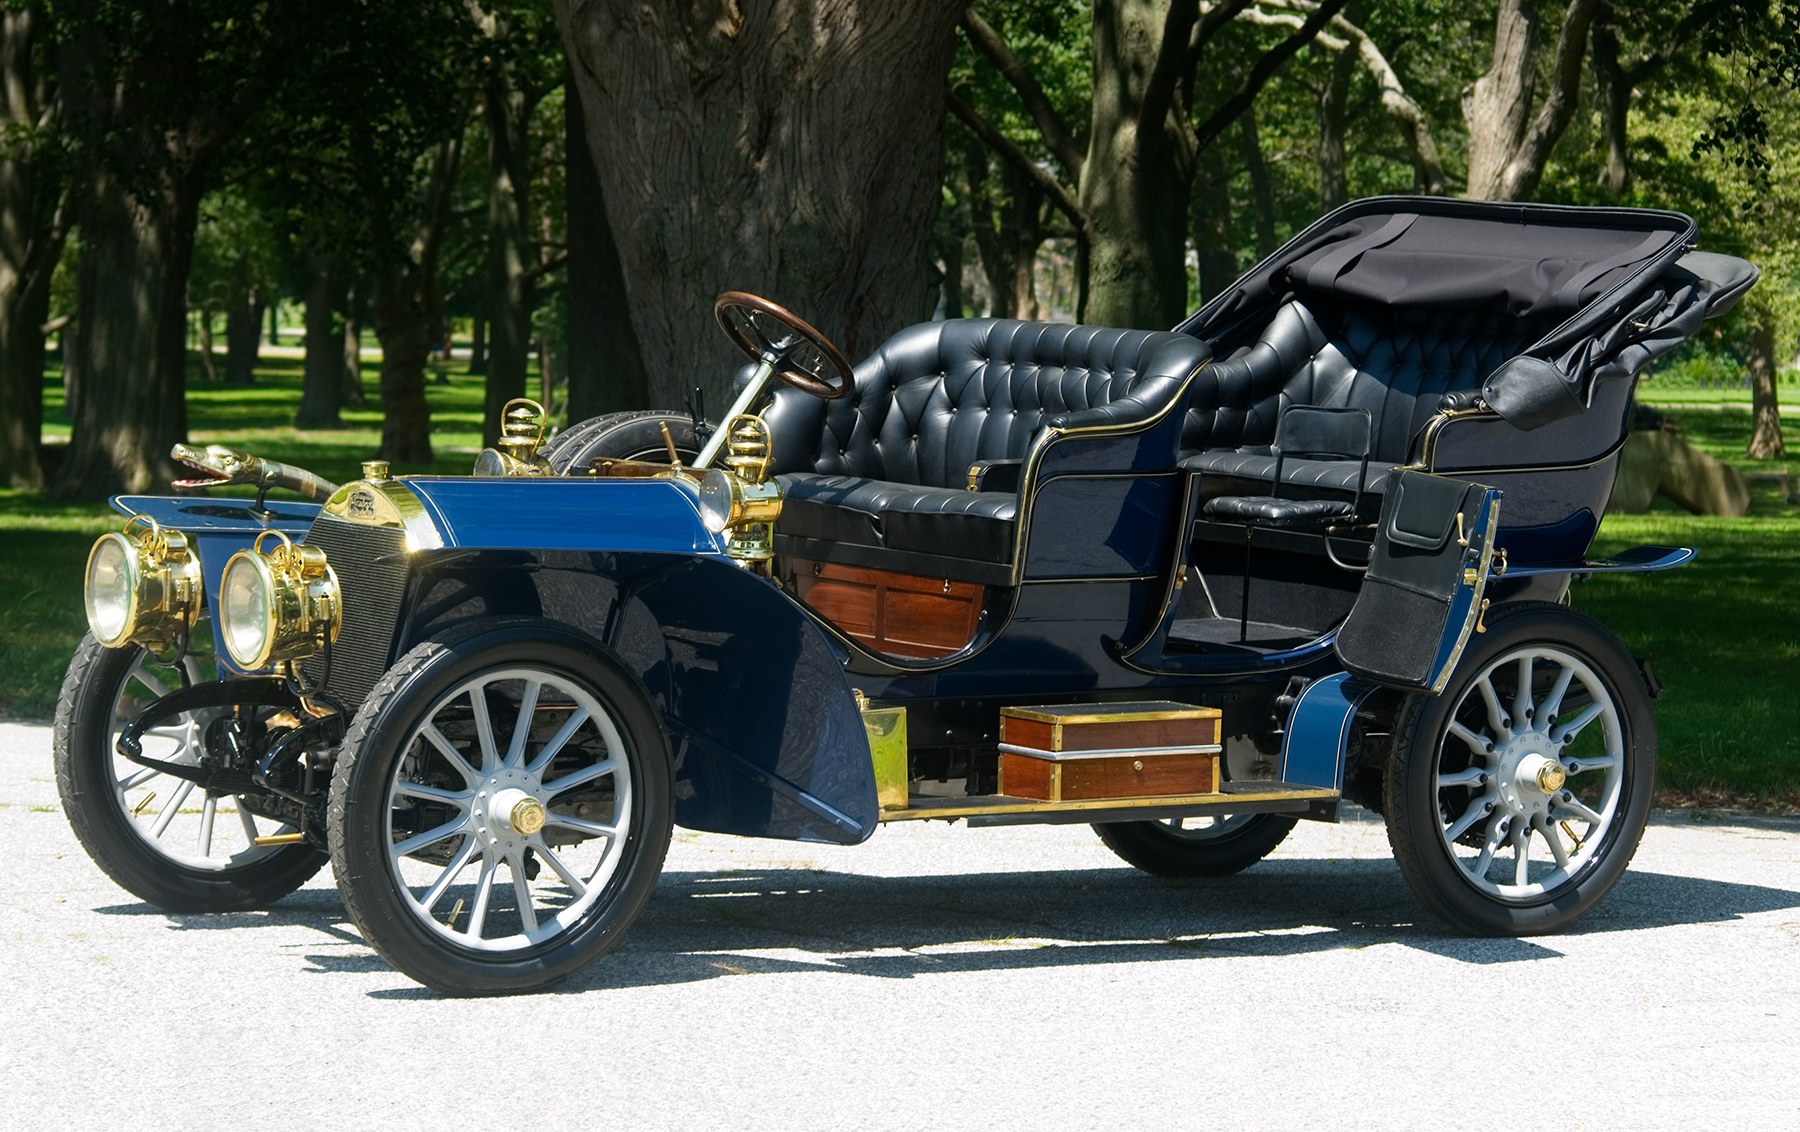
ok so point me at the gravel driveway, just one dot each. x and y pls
(936, 977)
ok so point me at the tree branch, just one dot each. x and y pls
(1165, 74)
(1057, 137)
(1208, 131)
(1009, 152)
(1523, 172)
(1208, 25)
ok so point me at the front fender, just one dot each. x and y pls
(577, 513)
(763, 725)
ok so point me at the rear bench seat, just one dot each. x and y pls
(881, 478)
(1396, 362)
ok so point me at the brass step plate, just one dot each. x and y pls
(1236, 797)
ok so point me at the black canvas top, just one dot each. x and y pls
(1599, 289)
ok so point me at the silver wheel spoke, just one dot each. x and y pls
(522, 893)
(431, 836)
(1598, 762)
(209, 809)
(1521, 847)
(172, 807)
(153, 684)
(484, 728)
(1553, 700)
(448, 876)
(248, 823)
(457, 798)
(484, 889)
(1521, 705)
(582, 825)
(554, 747)
(1477, 807)
(515, 753)
(1495, 713)
(1564, 807)
(1553, 839)
(1476, 742)
(1566, 732)
(586, 774)
(1489, 846)
(560, 869)
(451, 755)
(138, 779)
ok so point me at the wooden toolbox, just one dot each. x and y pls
(1082, 752)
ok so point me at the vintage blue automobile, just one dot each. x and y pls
(1314, 545)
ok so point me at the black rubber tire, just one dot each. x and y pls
(356, 819)
(1156, 849)
(82, 751)
(622, 436)
(1411, 805)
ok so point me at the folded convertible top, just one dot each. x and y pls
(1605, 290)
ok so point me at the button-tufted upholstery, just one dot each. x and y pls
(1397, 362)
(888, 466)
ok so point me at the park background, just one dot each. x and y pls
(332, 231)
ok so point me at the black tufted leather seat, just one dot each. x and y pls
(887, 468)
(1396, 362)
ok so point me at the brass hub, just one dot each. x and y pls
(1551, 776)
(527, 816)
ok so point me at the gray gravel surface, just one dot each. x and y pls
(936, 977)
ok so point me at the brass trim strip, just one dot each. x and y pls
(1112, 752)
(1435, 427)
(949, 809)
(1162, 710)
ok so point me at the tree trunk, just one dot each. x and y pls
(1615, 109)
(350, 386)
(1765, 412)
(510, 253)
(208, 366)
(1008, 231)
(790, 148)
(243, 337)
(32, 231)
(1262, 192)
(1212, 225)
(1136, 177)
(398, 306)
(130, 339)
(478, 342)
(275, 322)
(1508, 147)
(1334, 100)
(321, 381)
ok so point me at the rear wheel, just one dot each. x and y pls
(161, 837)
(1197, 846)
(622, 436)
(501, 809)
(1516, 798)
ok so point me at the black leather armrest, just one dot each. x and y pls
(995, 475)
(1458, 400)
(1117, 414)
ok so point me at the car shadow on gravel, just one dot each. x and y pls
(706, 925)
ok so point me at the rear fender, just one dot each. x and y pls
(762, 723)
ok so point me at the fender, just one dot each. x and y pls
(578, 513)
(762, 723)
(1315, 751)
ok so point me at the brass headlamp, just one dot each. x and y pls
(523, 423)
(740, 497)
(278, 606)
(142, 586)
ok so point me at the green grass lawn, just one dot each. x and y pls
(1723, 633)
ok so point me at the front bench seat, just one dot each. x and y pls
(1398, 363)
(881, 478)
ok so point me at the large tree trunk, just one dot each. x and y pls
(321, 380)
(1334, 100)
(1262, 189)
(398, 307)
(604, 364)
(130, 339)
(785, 147)
(32, 230)
(510, 254)
(350, 383)
(243, 336)
(1138, 171)
(1217, 265)
(1508, 145)
(1615, 108)
(1008, 232)
(1765, 423)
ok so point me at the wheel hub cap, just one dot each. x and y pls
(506, 808)
(1527, 779)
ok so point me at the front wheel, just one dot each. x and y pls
(1197, 847)
(501, 809)
(161, 837)
(1516, 798)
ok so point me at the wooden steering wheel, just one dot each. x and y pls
(796, 352)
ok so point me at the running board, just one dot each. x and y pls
(1233, 798)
